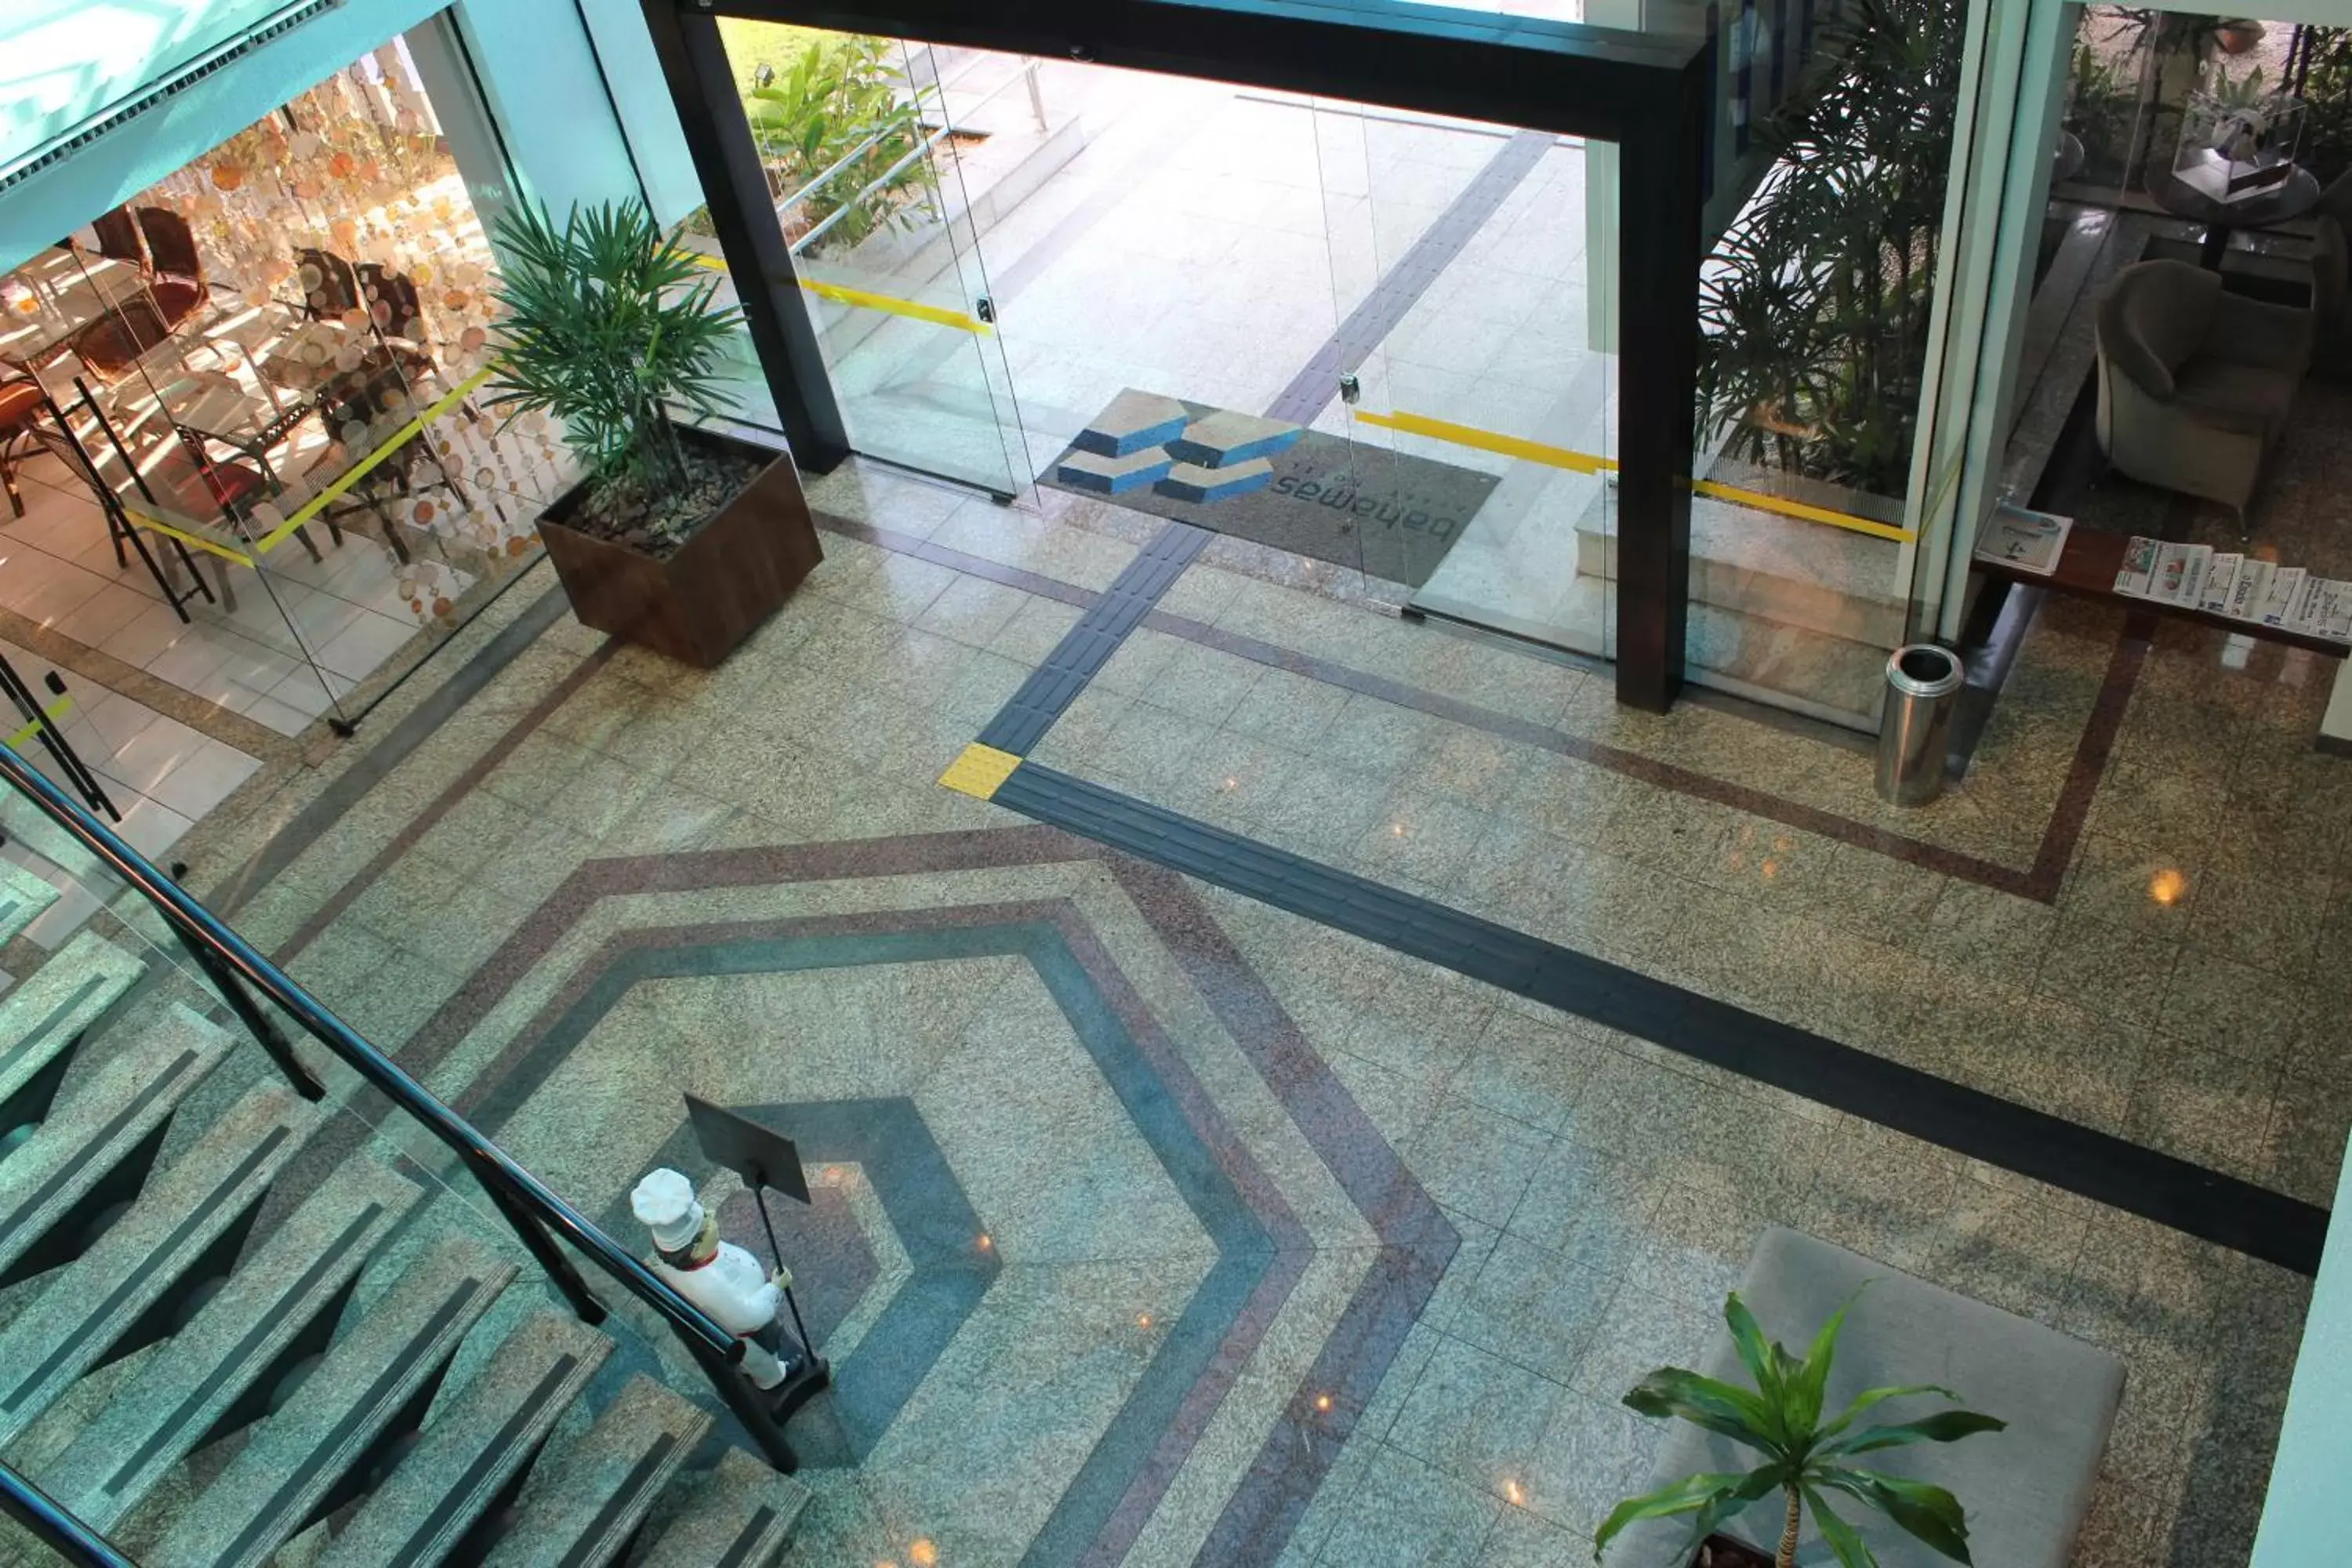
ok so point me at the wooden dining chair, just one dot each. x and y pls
(178, 282)
(111, 345)
(338, 289)
(118, 237)
(21, 407)
(392, 301)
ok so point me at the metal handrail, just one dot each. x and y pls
(54, 1526)
(526, 1202)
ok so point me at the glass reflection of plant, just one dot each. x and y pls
(842, 102)
(1814, 305)
(2327, 87)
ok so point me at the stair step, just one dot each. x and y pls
(42, 1015)
(126, 1290)
(587, 1497)
(477, 1445)
(214, 1375)
(742, 1517)
(312, 1455)
(93, 1149)
(23, 896)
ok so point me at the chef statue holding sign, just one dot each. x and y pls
(717, 1275)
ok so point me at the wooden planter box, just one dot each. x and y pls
(714, 592)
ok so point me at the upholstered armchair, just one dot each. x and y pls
(2331, 298)
(2196, 383)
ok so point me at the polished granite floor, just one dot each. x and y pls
(1161, 1225)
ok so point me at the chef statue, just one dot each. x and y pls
(717, 1275)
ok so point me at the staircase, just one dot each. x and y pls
(240, 1327)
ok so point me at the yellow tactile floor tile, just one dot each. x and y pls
(980, 770)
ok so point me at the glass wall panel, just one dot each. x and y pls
(262, 472)
(1816, 318)
(863, 155)
(2191, 145)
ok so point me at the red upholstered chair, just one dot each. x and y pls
(178, 283)
(20, 427)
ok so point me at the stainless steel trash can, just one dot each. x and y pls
(1914, 737)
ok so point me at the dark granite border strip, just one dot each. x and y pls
(338, 799)
(2207, 1204)
(1416, 1241)
(957, 561)
(1263, 1251)
(2041, 882)
(1403, 285)
(1086, 648)
(478, 770)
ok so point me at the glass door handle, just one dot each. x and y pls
(985, 309)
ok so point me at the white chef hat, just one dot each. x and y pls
(663, 1202)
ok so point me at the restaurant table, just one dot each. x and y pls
(2290, 199)
(63, 292)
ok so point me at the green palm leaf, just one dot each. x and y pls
(1928, 1512)
(1692, 1494)
(1853, 1551)
(1702, 1401)
(1948, 1427)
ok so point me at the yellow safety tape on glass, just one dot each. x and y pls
(184, 537)
(980, 770)
(1588, 463)
(361, 469)
(54, 711)
(865, 300)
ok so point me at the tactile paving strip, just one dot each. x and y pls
(1402, 286)
(1080, 657)
(2221, 1209)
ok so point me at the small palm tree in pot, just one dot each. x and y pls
(1804, 1455)
(676, 537)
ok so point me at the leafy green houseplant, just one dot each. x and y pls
(1805, 1454)
(607, 324)
(1814, 306)
(838, 130)
(675, 537)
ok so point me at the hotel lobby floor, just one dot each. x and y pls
(1158, 1223)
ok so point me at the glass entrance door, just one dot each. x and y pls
(860, 139)
(1474, 389)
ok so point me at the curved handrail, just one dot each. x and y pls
(54, 1526)
(507, 1182)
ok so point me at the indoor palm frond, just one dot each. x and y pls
(608, 325)
(1804, 1455)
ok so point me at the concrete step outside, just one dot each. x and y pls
(346, 1419)
(134, 1285)
(221, 1373)
(477, 1447)
(46, 1013)
(92, 1150)
(742, 1516)
(588, 1497)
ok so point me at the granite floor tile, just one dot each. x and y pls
(1592, 1207)
(1407, 1513)
(1473, 1160)
(1533, 1307)
(2231, 1007)
(1597, 1194)
(1476, 1415)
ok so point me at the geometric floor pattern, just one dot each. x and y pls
(1142, 1217)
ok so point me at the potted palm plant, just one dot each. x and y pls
(678, 539)
(1804, 1455)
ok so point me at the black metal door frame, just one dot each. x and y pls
(1653, 95)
